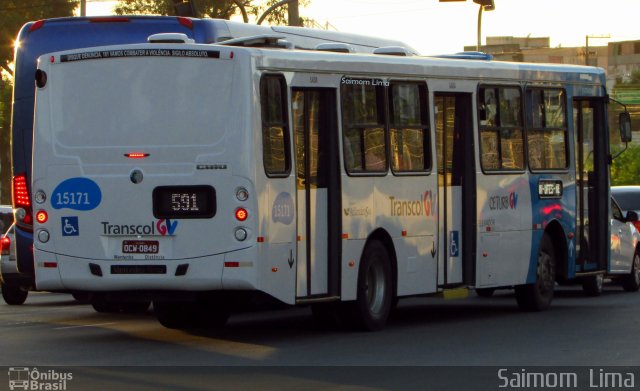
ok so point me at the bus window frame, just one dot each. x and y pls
(497, 129)
(529, 122)
(284, 90)
(425, 126)
(382, 114)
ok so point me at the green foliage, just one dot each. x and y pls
(222, 9)
(635, 77)
(625, 169)
(15, 13)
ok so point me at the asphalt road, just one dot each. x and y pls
(54, 330)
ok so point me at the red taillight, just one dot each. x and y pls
(136, 155)
(637, 225)
(186, 22)
(42, 217)
(5, 245)
(21, 197)
(22, 200)
(241, 214)
(36, 25)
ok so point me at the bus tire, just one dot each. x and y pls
(538, 296)
(374, 299)
(13, 294)
(485, 292)
(592, 285)
(631, 282)
(175, 315)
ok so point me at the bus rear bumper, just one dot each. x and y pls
(89, 275)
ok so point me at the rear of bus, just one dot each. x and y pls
(50, 35)
(141, 169)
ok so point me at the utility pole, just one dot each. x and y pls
(83, 7)
(586, 49)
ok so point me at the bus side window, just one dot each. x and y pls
(501, 129)
(275, 130)
(547, 130)
(409, 129)
(364, 140)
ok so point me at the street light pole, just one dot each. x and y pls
(487, 5)
(479, 29)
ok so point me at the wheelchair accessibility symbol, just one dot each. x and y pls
(70, 226)
(454, 244)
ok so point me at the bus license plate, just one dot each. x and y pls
(140, 246)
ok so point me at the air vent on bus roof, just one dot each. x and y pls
(335, 47)
(169, 38)
(263, 40)
(393, 51)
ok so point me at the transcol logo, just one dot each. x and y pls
(425, 205)
(161, 227)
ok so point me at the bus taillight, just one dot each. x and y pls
(241, 214)
(186, 22)
(36, 26)
(22, 202)
(42, 217)
(5, 245)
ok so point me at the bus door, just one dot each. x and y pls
(592, 185)
(318, 191)
(456, 188)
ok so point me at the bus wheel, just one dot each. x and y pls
(537, 296)
(374, 292)
(175, 315)
(485, 292)
(631, 282)
(592, 285)
(13, 294)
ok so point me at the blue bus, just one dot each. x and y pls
(45, 36)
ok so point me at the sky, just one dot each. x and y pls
(433, 27)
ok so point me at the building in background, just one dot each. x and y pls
(621, 61)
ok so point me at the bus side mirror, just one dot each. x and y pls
(624, 120)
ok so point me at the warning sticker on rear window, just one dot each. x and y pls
(102, 54)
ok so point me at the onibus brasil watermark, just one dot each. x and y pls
(32, 379)
(593, 378)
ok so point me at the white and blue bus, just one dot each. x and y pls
(192, 175)
(51, 35)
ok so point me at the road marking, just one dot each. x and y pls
(83, 325)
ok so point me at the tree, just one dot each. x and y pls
(14, 14)
(222, 9)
